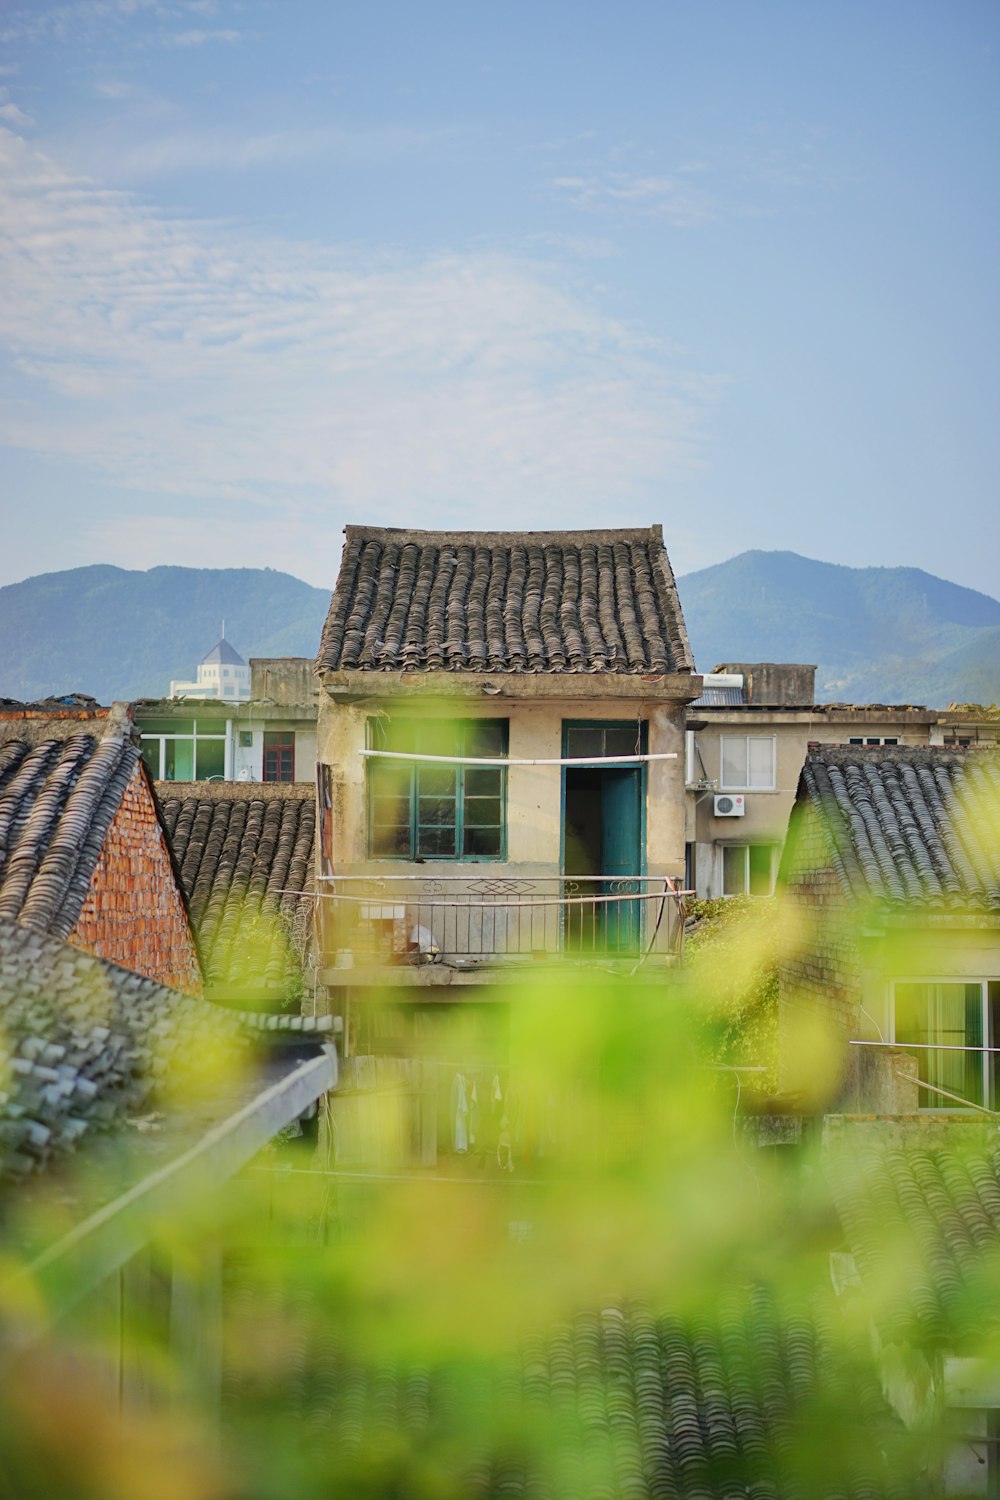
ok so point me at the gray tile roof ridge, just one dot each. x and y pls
(512, 602)
(246, 867)
(57, 801)
(652, 532)
(86, 1043)
(909, 825)
(934, 1198)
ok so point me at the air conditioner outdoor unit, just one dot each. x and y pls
(727, 806)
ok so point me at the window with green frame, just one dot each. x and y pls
(941, 1019)
(418, 811)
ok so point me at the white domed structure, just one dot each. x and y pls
(222, 674)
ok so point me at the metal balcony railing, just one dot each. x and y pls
(422, 918)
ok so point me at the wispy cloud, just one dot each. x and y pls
(208, 365)
(666, 197)
(199, 38)
(160, 148)
(13, 115)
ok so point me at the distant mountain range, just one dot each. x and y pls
(876, 635)
(885, 635)
(114, 633)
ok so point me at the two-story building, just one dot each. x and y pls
(500, 751)
(747, 741)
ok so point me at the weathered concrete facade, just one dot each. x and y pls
(536, 711)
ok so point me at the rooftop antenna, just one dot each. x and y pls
(223, 635)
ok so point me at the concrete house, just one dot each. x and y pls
(84, 855)
(891, 881)
(269, 734)
(748, 737)
(561, 657)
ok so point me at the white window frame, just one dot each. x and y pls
(745, 845)
(874, 739)
(744, 785)
(194, 736)
(984, 982)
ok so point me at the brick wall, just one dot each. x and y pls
(133, 914)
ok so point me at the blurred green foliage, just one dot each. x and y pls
(644, 1309)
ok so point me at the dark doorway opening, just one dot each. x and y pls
(602, 839)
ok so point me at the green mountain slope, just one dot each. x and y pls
(116, 633)
(876, 634)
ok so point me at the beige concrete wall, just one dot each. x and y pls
(766, 817)
(534, 793)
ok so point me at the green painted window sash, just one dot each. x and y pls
(409, 790)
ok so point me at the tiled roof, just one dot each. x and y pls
(86, 1045)
(57, 802)
(544, 601)
(630, 1404)
(922, 1220)
(910, 824)
(246, 865)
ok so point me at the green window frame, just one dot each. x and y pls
(422, 812)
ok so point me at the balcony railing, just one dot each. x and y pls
(426, 918)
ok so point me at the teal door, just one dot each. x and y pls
(621, 855)
(603, 836)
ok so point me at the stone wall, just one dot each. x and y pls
(134, 914)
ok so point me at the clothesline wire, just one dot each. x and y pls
(498, 762)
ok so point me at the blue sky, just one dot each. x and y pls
(270, 266)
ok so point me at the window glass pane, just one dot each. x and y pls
(437, 841)
(761, 761)
(166, 726)
(951, 1015)
(391, 811)
(483, 783)
(438, 737)
(760, 869)
(391, 841)
(391, 734)
(484, 842)
(584, 742)
(734, 760)
(436, 781)
(436, 810)
(211, 759)
(151, 755)
(480, 811)
(390, 779)
(486, 737)
(622, 741)
(178, 760)
(734, 869)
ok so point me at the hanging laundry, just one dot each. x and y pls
(459, 1114)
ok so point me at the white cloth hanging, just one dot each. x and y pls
(459, 1114)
